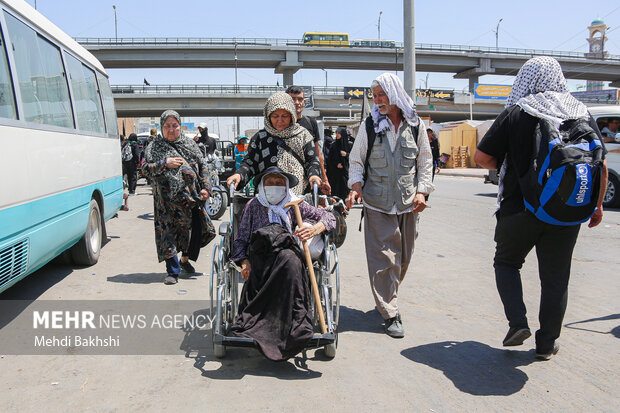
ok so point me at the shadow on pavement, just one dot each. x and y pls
(148, 216)
(30, 289)
(148, 278)
(240, 362)
(490, 195)
(352, 319)
(614, 331)
(475, 368)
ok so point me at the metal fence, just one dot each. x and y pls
(266, 41)
(266, 90)
(216, 89)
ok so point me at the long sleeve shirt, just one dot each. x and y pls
(255, 216)
(424, 166)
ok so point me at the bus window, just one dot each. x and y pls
(42, 83)
(87, 100)
(108, 105)
(7, 98)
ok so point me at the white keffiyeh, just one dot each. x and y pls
(540, 90)
(277, 213)
(395, 91)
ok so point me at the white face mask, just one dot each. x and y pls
(274, 194)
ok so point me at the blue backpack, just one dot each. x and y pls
(563, 181)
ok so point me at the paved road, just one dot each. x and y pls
(450, 360)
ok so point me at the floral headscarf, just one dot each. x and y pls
(281, 100)
(161, 149)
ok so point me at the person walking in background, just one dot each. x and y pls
(240, 150)
(338, 164)
(180, 184)
(539, 96)
(434, 142)
(299, 99)
(205, 139)
(327, 143)
(130, 156)
(391, 161)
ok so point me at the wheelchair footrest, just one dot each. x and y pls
(234, 341)
(318, 340)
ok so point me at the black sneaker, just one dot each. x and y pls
(548, 354)
(171, 279)
(516, 336)
(394, 327)
(187, 267)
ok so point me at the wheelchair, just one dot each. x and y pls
(226, 276)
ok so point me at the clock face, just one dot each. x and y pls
(596, 47)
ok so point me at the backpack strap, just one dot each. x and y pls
(371, 135)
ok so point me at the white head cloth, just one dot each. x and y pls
(277, 213)
(395, 91)
(540, 90)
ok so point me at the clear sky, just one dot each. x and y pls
(536, 24)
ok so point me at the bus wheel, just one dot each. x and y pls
(86, 251)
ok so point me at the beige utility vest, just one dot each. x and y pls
(392, 176)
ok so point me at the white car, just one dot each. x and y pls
(603, 114)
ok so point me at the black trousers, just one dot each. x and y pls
(515, 236)
(132, 174)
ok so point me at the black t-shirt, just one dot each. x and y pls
(512, 137)
(312, 127)
(210, 145)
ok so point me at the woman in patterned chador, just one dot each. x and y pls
(282, 143)
(178, 174)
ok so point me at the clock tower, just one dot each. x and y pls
(596, 48)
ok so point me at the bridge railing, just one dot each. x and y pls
(266, 41)
(216, 89)
(267, 90)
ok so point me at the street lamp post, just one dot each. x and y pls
(409, 47)
(497, 34)
(115, 23)
(379, 26)
(237, 88)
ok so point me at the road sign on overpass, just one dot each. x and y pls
(493, 92)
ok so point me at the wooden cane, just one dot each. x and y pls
(315, 288)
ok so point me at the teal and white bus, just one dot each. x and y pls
(60, 161)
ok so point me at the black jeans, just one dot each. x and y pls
(132, 175)
(515, 236)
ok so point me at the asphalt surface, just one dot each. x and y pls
(451, 358)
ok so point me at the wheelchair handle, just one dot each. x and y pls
(231, 200)
(315, 194)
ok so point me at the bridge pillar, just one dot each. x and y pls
(287, 78)
(472, 81)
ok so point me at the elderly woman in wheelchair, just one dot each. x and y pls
(275, 308)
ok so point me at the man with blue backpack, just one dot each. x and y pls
(552, 174)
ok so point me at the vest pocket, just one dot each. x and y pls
(377, 158)
(374, 187)
(408, 157)
(407, 188)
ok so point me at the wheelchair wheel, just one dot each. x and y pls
(219, 350)
(329, 291)
(330, 349)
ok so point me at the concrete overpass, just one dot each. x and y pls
(287, 56)
(223, 100)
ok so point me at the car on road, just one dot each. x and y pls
(602, 115)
